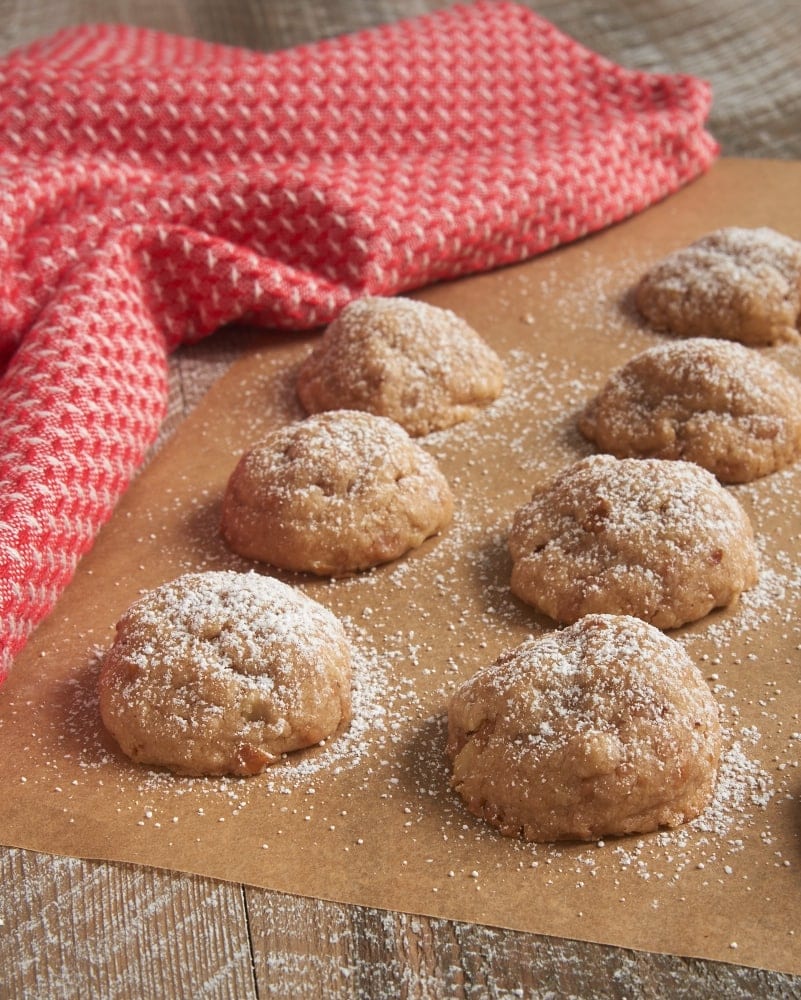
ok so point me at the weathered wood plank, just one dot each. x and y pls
(326, 951)
(75, 928)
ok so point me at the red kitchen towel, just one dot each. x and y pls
(154, 187)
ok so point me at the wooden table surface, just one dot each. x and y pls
(73, 928)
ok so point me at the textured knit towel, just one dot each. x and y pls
(153, 188)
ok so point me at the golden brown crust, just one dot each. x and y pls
(712, 402)
(415, 363)
(221, 673)
(602, 729)
(333, 494)
(735, 283)
(662, 541)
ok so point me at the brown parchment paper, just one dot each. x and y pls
(369, 818)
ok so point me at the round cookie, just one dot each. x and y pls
(712, 402)
(601, 729)
(660, 540)
(415, 363)
(222, 672)
(333, 494)
(735, 283)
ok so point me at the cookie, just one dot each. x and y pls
(736, 283)
(333, 494)
(221, 673)
(415, 363)
(660, 540)
(604, 728)
(712, 402)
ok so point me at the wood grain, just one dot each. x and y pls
(71, 928)
(76, 928)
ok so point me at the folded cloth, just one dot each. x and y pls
(153, 188)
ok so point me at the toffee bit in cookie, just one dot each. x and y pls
(418, 364)
(222, 673)
(660, 540)
(712, 402)
(333, 494)
(604, 728)
(735, 283)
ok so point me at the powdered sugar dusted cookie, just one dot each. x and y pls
(221, 673)
(602, 729)
(739, 284)
(660, 540)
(713, 402)
(333, 494)
(420, 365)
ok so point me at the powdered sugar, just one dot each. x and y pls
(376, 797)
(397, 684)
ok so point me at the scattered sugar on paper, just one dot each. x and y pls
(552, 390)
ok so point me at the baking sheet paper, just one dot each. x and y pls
(369, 818)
